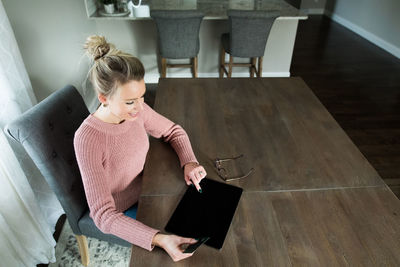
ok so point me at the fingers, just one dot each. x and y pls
(182, 256)
(201, 172)
(187, 180)
(196, 175)
(177, 255)
(185, 240)
(173, 245)
(196, 183)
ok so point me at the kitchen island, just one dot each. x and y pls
(278, 51)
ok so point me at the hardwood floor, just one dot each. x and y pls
(359, 84)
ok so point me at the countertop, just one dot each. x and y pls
(217, 9)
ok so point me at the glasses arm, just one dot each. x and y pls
(226, 179)
(217, 160)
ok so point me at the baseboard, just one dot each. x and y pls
(392, 49)
(153, 78)
(264, 74)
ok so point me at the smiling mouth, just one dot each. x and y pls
(134, 115)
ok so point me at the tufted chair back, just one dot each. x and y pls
(178, 32)
(46, 131)
(249, 31)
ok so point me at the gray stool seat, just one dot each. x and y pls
(247, 38)
(178, 37)
(46, 131)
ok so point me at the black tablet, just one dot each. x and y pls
(206, 214)
(192, 247)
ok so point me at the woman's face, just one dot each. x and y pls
(128, 100)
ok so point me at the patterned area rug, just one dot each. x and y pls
(101, 253)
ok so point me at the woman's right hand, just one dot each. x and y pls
(173, 244)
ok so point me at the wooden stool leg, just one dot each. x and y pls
(260, 61)
(230, 66)
(222, 63)
(192, 65)
(163, 67)
(83, 249)
(253, 66)
(195, 74)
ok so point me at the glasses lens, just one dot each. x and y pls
(222, 171)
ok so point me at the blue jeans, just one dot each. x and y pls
(131, 212)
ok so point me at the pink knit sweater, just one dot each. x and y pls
(110, 158)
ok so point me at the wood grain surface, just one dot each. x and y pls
(279, 125)
(341, 227)
(313, 199)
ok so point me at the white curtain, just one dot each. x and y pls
(28, 208)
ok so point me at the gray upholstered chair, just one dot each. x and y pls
(46, 131)
(178, 37)
(247, 37)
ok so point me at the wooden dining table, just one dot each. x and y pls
(312, 200)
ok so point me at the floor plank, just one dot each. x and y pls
(359, 84)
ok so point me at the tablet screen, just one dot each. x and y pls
(206, 214)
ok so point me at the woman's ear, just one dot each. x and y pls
(102, 98)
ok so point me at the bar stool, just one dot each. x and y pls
(178, 37)
(249, 31)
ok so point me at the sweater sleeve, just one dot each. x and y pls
(158, 126)
(89, 152)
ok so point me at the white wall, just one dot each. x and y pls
(377, 21)
(50, 35)
(313, 6)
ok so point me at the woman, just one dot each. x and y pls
(112, 143)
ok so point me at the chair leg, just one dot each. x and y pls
(253, 66)
(163, 67)
(222, 63)
(260, 62)
(195, 74)
(192, 66)
(230, 66)
(83, 249)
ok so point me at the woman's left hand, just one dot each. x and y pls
(194, 173)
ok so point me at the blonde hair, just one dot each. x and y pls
(111, 67)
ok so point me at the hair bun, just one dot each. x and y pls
(97, 46)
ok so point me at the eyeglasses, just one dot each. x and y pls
(223, 174)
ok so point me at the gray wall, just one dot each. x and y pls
(376, 21)
(313, 6)
(50, 35)
(379, 18)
